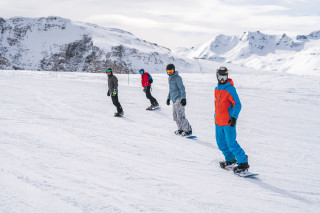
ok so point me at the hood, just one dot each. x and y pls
(175, 73)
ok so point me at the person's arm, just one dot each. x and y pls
(115, 86)
(181, 87)
(115, 83)
(234, 98)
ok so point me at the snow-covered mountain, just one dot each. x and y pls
(59, 44)
(300, 55)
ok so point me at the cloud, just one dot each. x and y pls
(180, 22)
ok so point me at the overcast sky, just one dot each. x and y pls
(179, 23)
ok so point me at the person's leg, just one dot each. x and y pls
(235, 148)
(175, 115)
(153, 101)
(181, 117)
(116, 102)
(222, 143)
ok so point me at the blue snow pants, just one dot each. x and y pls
(227, 143)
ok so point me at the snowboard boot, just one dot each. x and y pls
(178, 132)
(119, 114)
(242, 167)
(153, 106)
(183, 134)
(227, 164)
(150, 107)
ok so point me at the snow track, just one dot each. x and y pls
(61, 149)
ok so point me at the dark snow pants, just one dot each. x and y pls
(116, 102)
(153, 101)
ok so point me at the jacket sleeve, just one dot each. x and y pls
(115, 83)
(181, 87)
(234, 98)
(143, 80)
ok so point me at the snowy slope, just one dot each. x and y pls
(300, 55)
(61, 149)
(58, 44)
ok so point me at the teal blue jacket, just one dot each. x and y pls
(176, 87)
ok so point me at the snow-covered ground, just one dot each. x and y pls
(61, 149)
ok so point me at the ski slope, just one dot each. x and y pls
(61, 149)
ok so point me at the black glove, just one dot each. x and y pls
(108, 93)
(168, 102)
(232, 121)
(144, 89)
(184, 102)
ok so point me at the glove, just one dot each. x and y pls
(232, 121)
(108, 94)
(114, 92)
(184, 102)
(144, 89)
(168, 102)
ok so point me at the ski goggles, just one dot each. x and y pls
(141, 71)
(169, 71)
(220, 77)
(109, 70)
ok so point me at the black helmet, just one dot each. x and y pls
(222, 73)
(170, 67)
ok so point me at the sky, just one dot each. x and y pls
(179, 23)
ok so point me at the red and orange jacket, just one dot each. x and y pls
(227, 103)
(145, 79)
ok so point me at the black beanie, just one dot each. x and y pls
(171, 67)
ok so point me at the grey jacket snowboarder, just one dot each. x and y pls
(177, 94)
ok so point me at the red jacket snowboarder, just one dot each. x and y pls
(146, 81)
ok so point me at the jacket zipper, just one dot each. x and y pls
(219, 100)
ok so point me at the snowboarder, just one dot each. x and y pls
(177, 94)
(227, 109)
(146, 81)
(113, 91)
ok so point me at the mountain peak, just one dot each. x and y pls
(261, 51)
(314, 35)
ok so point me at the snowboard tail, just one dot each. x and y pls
(245, 174)
(190, 137)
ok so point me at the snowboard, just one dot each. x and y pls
(245, 174)
(190, 137)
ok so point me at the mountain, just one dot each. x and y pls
(59, 44)
(300, 55)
